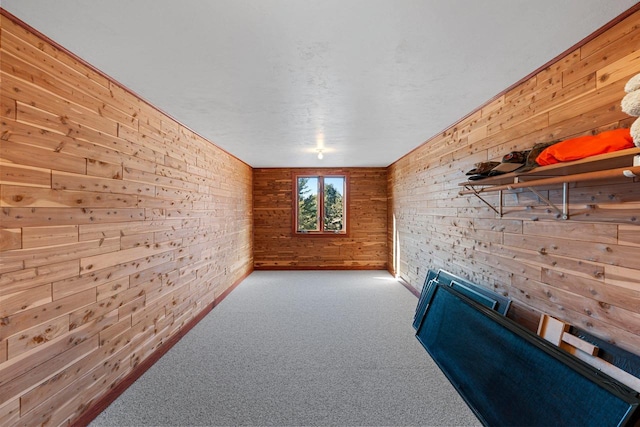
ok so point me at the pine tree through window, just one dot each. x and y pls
(321, 204)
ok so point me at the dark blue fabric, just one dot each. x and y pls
(511, 377)
(484, 296)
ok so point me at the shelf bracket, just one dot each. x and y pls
(565, 200)
(564, 214)
(477, 194)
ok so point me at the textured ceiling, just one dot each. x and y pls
(271, 80)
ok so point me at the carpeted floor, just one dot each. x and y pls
(287, 348)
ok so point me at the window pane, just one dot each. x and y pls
(308, 218)
(334, 203)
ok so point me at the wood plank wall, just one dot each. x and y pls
(119, 226)
(585, 270)
(276, 248)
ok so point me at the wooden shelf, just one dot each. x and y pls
(605, 166)
(615, 160)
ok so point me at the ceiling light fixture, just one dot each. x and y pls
(320, 155)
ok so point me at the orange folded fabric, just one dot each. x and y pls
(586, 146)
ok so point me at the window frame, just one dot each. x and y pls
(321, 174)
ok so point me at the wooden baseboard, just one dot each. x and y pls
(301, 268)
(411, 289)
(102, 403)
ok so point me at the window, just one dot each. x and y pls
(321, 204)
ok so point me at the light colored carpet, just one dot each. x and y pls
(288, 348)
